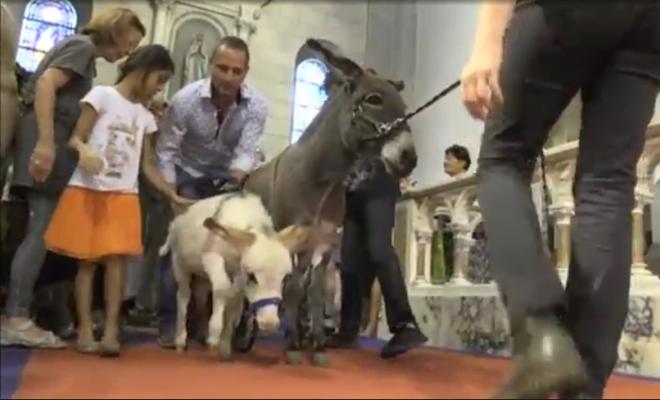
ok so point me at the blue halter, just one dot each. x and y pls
(259, 304)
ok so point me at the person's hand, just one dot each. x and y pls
(480, 81)
(42, 159)
(240, 176)
(179, 204)
(90, 161)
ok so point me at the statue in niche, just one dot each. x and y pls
(195, 63)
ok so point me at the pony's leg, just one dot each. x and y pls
(233, 311)
(214, 266)
(316, 302)
(183, 298)
(292, 297)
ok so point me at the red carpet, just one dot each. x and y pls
(147, 371)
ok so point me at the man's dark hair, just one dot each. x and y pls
(235, 43)
(460, 153)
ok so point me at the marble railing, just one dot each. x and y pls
(456, 203)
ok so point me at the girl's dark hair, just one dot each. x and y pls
(152, 57)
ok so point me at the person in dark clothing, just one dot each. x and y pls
(367, 253)
(529, 59)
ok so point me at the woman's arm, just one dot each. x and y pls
(46, 88)
(480, 81)
(493, 18)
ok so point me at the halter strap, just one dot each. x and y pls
(259, 304)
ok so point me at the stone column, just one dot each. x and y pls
(562, 215)
(639, 270)
(423, 263)
(161, 20)
(462, 243)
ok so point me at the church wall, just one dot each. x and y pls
(281, 30)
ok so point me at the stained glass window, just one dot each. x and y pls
(45, 22)
(309, 94)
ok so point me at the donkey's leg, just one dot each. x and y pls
(183, 298)
(292, 297)
(316, 301)
(233, 311)
(214, 266)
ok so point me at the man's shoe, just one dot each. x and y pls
(404, 339)
(545, 361)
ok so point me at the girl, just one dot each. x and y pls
(98, 217)
(42, 161)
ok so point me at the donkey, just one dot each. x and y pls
(304, 184)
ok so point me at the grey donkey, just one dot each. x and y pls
(304, 184)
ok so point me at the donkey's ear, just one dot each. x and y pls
(344, 66)
(294, 237)
(398, 85)
(238, 238)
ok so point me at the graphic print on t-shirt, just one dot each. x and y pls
(122, 139)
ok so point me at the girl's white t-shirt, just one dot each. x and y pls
(117, 136)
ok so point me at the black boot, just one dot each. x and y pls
(406, 338)
(545, 361)
(340, 341)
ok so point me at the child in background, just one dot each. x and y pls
(98, 216)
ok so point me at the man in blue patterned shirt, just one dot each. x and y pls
(215, 125)
(213, 129)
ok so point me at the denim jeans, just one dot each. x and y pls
(30, 255)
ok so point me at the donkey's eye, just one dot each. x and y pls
(252, 279)
(374, 99)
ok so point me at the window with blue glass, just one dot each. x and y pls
(309, 95)
(45, 22)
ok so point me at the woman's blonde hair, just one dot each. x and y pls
(106, 27)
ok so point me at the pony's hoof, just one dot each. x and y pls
(224, 353)
(294, 357)
(180, 348)
(320, 359)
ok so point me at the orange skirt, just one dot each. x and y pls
(89, 224)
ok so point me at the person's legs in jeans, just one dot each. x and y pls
(611, 142)
(379, 222)
(26, 265)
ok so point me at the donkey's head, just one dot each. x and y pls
(369, 113)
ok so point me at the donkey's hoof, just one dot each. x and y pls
(320, 359)
(294, 357)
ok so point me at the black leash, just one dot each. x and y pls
(446, 91)
(434, 99)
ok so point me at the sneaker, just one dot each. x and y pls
(405, 339)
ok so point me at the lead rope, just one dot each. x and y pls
(446, 91)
